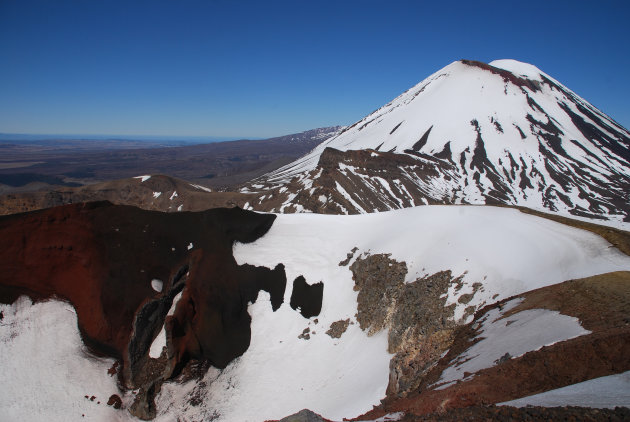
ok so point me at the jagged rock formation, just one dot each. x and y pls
(420, 325)
(472, 133)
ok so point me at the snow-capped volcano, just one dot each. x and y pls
(470, 133)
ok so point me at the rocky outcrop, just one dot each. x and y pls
(420, 325)
(304, 415)
(351, 182)
(337, 328)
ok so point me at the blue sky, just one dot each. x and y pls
(264, 68)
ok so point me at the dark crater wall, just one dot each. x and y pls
(102, 257)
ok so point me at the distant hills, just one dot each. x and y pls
(33, 165)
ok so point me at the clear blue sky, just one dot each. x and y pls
(265, 68)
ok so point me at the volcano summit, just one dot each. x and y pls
(471, 133)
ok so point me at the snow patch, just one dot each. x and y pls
(604, 392)
(518, 68)
(142, 178)
(511, 337)
(157, 284)
(203, 188)
(160, 340)
(158, 344)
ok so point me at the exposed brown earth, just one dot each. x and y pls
(175, 195)
(525, 414)
(366, 192)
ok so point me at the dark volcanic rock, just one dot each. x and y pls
(307, 298)
(337, 328)
(115, 400)
(363, 183)
(304, 415)
(102, 257)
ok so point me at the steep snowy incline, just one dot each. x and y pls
(499, 133)
(47, 372)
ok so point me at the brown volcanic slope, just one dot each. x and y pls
(174, 195)
(102, 258)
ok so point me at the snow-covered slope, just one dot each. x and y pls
(47, 373)
(499, 133)
(284, 371)
(604, 392)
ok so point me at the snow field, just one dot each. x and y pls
(46, 370)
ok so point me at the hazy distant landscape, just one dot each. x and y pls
(37, 164)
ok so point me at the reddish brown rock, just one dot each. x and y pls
(102, 257)
(115, 400)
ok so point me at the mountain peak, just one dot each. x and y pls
(518, 68)
(475, 133)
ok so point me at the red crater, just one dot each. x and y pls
(102, 259)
